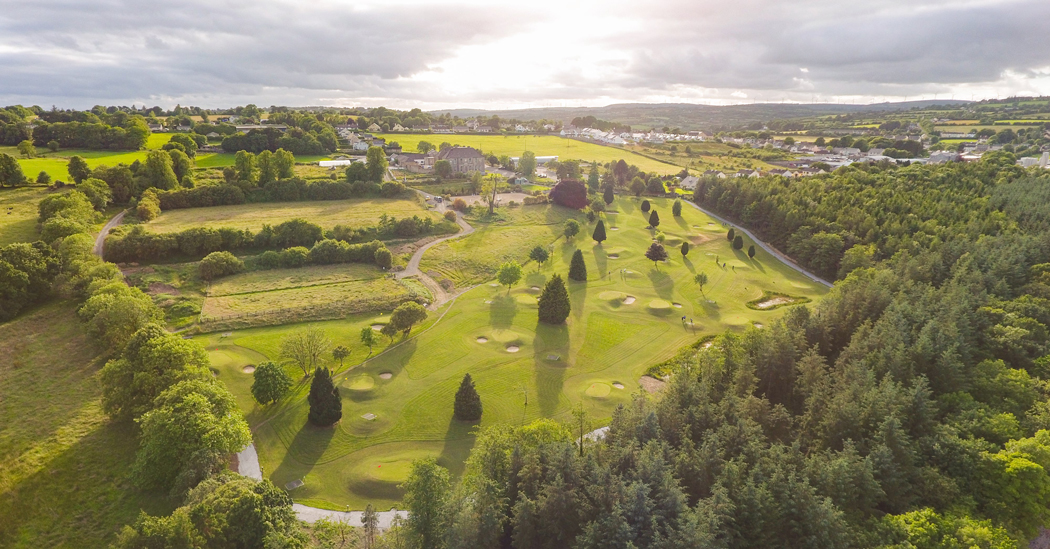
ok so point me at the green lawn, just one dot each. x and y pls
(606, 342)
(327, 213)
(542, 145)
(18, 214)
(63, 482)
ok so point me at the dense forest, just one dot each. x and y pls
(906, 409)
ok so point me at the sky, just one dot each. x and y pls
(498, 55)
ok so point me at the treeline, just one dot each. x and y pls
(864, 213)
(317, 141)
(908, 408)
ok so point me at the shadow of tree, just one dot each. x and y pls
(459, 441)
(662, 283)
(304, 452)
(601, 260)
(550, 374)
(502, 311)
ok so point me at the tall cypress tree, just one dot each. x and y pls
(468, 403)
(654, 219)
(554, 301)
(326, 407)
(730, 235)
(607, 196)
(599, 232)
(577, 268)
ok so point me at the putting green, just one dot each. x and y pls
(555, 368)
(363, 382)
(598, 390)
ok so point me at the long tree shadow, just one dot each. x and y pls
(601, 259)
(551, 356)
(304, 452)
(577, 298)
(688, 264)
(662, 282)
(502, 311)
(459, 441)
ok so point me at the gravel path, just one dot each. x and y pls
(353, 518)
(412, 269)
(101, 239)
(769, 249)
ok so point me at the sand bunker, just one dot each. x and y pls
(614, 228)
(377, 327)
(677, 305)
(248, 369)
(483, 339)
(617, 385)
(773, 302)
(386, 375)
(629, 300)
(613, 256)
(512, 348)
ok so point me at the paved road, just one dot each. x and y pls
(101, 240)
(769, 249)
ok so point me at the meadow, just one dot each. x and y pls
(64, 480)
(357, 212)
(542, 145)
(397, 404)
(18, 214)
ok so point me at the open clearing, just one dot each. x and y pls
(18, 214)
(64, 479)
(357, 212)
(409, 389)
(542, 145)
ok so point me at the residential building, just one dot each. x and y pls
(714, 173)
(463, 159)
(689, 183)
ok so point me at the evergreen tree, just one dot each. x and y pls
(730, 235)
(468, 403)
(676, 208)
(554, 301)
(738, 243)
(607, 196)
(685, 248)
(654, 219)
(326, 407)
(599, 232)
(751, 251)
(577, 268)
(645, 206)
(593, 179)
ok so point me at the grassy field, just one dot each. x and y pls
(63, 482)
(221, 160)
(542, 145)
(327, 213)
(626, 317)
(18, 214)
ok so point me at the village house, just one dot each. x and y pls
(398, 128)
(714, 173)
(463, 159)
(689, 183)
(374, 128)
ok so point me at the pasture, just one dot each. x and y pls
(542, 145)
(18, 214)
(64, 481)
(356, 212)
(397, 405)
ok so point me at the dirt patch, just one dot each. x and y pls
(699, 239)
(651, 384)
(773, 302)
(161, 288)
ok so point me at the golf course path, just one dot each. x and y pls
(412, 269)
(101, 240)
(769, 249)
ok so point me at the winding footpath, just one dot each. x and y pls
(100, 241)
(248, 459)
(769, 249)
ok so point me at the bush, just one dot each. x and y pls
(533, 200)
(296, 232)
(148, 207)
(384, 258)
(296, 256)
(391, 189)
(218, 264)
(450, 215)
(459, 205)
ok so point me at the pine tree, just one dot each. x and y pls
(607, 196)
(676, 208)
(468, 404)
(599, 232)
(738, 243)
(645, 206)
(654, 219)
(685, 248)
(730, 234)
(577, 268)
(326, 407)
(751, 251)
(554, 302)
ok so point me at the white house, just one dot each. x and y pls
(689, 183)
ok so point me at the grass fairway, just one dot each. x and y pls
(63, 480)
(327, 213)
(18, 214)
(542, 145)
(398, 405)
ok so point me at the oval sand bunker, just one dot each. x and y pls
(483, 340)
(512, 348)
(377, 327)
(617, 385)
(386, 375)
(677, 305)
(248, 369)
(629, 300)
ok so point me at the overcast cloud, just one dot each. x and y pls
(442, 54)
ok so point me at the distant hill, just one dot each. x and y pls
(694, 117)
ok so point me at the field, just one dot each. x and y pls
(18, 214)
(627, 317)
(542, 145)
(63, 483)
(327, 213)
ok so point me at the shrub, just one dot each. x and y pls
(572, 228)
(296, 232)
(676, 208)
(738, 243)
(218, 264)
(384, 258)
(459, 205)
(450, 215)
(296, 256)
(148, 207)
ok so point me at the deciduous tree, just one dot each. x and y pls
(406, 315)
(572, 228)
(509, 274)
(369, 338)
(656, 253)
(269, 382)
(539, 254)
(305, 347)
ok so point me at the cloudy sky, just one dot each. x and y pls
(490, 54)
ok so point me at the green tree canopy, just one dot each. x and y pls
(599, 232)
(577, 267)
(326, 407)
(269, 382)
(467, 405)
(554, 303)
